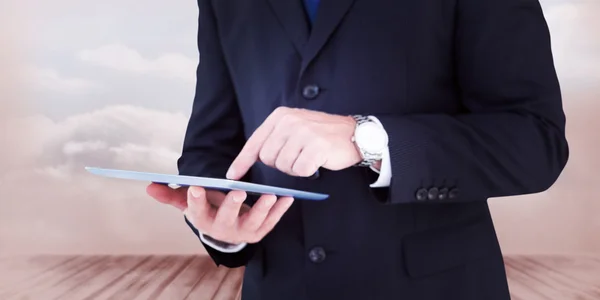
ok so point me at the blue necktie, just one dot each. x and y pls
(311, 8)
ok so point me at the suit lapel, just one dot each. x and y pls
(329, 15)
(293, 20)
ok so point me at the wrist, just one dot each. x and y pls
(351, 121)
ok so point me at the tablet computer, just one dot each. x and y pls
(206, 182)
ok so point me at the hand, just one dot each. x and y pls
(298, 142)
(224, 217)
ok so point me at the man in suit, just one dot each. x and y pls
(409, 114)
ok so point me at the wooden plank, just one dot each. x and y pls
(138, 272)
(55, 278)
(109, 282)
(166, 278)
(80, 283)
(521, 284)
(174, 277)
(560, 277)
(21, 271)
(95, 282)
(149, 272)
(183, 284)
(208, 288)
(230, 287)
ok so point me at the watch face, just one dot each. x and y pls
(371, 138)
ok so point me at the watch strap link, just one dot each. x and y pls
(361, 119)
(366, 162)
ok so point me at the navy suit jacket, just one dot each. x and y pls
(468, 94)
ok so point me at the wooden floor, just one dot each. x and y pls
(196, 277)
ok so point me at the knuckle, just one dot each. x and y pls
(281, 167)
(283, 163)
(266, 157)
(317, 160)
(281, 110)
(310, 133)
(253, 240)
(263, 154)
(321, 141)
(302, 169)
(291, 117)
(296, 123)
(262, 233)
(250, 224)
(302, 130)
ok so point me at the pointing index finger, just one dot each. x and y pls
(249, 154)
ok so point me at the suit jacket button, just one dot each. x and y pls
(317, 255)
(311, 91)
(453, 194)
(422, 194)
(433, 193)
(443, 194)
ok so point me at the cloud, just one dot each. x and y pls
(51, 80)
(50, 204)
(116, 136)
(125, 59)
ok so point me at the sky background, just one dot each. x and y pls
(110, 83)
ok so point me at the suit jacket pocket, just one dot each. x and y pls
(440, 249)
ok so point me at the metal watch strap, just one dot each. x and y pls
(366, 162)
(360, 119)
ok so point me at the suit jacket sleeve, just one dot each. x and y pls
(510, 137)
(215, 133)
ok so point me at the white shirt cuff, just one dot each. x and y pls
(230, 249)
(385, 173)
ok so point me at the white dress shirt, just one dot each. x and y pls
(383, 180)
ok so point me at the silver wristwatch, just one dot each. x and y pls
(370, 138)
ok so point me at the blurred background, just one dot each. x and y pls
(110, 83)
